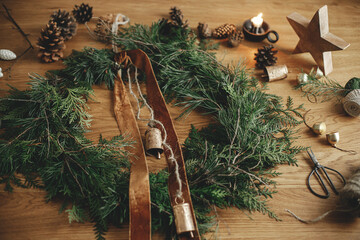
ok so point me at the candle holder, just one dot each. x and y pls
(257, 35)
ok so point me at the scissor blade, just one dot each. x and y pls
(312, 156)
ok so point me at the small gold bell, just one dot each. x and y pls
(153, 142)
(333, 138)
(302, 78)
(183, 219)
(319, 128)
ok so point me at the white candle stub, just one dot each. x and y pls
(1, 74)
(257, 21)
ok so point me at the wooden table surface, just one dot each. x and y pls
(24, 213)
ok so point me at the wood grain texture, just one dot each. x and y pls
(24, 213)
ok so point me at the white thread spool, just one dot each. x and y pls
(351, 103)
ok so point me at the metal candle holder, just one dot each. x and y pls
(261, 33)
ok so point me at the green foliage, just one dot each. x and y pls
(324, 88)
(353, 83)
(91, 66)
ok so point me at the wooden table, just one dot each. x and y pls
(24, 213)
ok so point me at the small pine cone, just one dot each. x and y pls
(177, 18)
(235, 38)
(65, 22)
(165, 26)
(224, 31)
(82, 13)
(51, 43)
(265, 57)
(103, 27)
(204, 30)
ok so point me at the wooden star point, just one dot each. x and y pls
(315, 38)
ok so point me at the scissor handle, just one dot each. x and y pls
(331, 183)
(322, 184)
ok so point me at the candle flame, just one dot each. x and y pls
(257, 21)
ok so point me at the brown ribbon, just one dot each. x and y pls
(139, 187)
(139, 183)
(161, 113)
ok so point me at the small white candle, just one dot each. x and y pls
(257, 22)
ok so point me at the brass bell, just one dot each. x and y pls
(153, 142)
(302, 78)
(333, 138)
(319, 128)
(183, 219)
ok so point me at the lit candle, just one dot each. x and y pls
(257, 22)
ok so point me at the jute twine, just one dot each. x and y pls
(349, 200)
(351, 103)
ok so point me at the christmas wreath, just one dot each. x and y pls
(229, 163)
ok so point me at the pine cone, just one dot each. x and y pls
(165, 26)
(178, 18)
(224, 31)
(265, 57)
(51, 43)
(82, 13)
(103, 27)
(235, 38)
(204, 30)
(65, 22)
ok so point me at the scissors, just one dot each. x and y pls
(318, 170)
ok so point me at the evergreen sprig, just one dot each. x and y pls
(324, 88)
(91, 66)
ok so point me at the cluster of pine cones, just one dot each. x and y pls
(224, 31)
(61, 27)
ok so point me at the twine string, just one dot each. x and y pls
(115, 26)
(151, 123)
(322, 216)
(304, 119)
(352, 152)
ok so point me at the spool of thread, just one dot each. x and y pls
(351, 103)
(350, 194)
(349, 200)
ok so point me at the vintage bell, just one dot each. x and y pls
(333, 138)
(183, 219)
(153, 142)
(319, 128)
(302, 78)
(274, 73)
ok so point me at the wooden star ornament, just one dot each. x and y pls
(316, 39)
